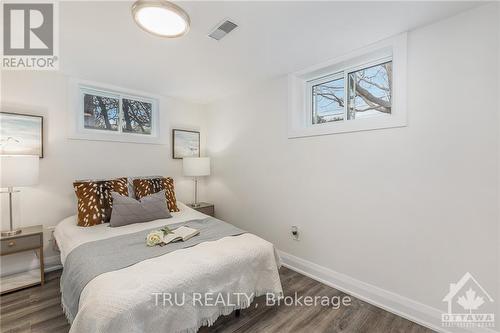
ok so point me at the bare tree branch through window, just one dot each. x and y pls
(101, 112)
(120, 114)
(136, 116)
(369, 94)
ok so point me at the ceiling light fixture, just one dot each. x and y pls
(161, 18)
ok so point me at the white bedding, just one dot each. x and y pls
(68, 235)
(124, 300)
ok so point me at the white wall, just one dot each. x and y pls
(409, 210)
(45, 93)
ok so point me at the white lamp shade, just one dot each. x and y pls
(196, 166)
(18, 170)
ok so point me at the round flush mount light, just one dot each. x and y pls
(161, 18)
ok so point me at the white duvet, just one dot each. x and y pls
(131, 299)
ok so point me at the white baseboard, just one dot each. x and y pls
(417, 312)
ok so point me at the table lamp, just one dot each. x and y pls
(196, 167)
(17, 171)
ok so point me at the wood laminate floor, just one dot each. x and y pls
(38, 309)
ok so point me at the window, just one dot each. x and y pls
(369, 92)
(108, 113)
(359, 91)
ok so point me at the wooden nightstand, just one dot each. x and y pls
(205, 208)
(31, 238)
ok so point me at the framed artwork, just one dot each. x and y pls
(185, 144)
(21, 134)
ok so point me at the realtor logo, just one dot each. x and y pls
(465, 298)
(29, 36)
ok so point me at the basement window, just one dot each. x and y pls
(363, 90)
(113, 114)
(368, 91)
(107, 111)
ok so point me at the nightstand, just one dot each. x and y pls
(205, 208)
(30, 238)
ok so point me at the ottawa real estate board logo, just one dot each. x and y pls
(468, 305)
(30, 36)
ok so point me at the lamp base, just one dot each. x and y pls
(195, 205)
(11, 232)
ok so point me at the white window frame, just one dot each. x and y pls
(77, 128)
(300, 90)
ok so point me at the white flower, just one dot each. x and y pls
(154, 238)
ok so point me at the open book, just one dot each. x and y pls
(180, 234)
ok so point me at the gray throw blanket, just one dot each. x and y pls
(91, 259)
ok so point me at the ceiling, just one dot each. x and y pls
(99, 41)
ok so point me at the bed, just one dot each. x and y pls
(131, 299)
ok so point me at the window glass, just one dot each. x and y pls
(136, 116)
(370, 92)
(328, 101)
(100, 112)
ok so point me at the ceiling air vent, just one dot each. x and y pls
(222, 30)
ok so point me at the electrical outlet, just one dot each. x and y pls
(295, 232)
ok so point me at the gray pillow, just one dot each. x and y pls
(127, 210)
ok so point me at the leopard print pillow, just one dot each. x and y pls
(94, 199)
(144, 187)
